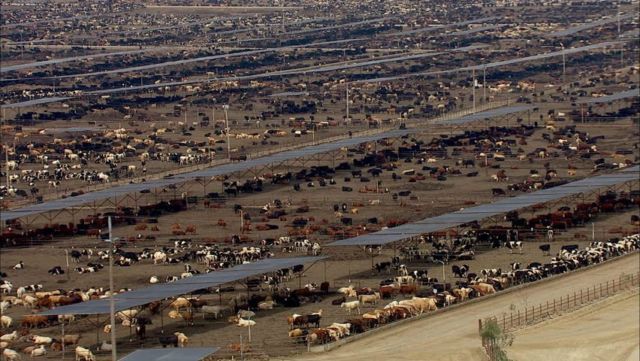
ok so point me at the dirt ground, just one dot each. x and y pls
(454, 335)
(572, 337)
(349, 265)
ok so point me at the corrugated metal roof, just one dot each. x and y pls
(156, 292)
(632, 93)
(170, 354)
(498, 112)
(471, 214)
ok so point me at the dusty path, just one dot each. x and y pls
(453, 335)
(572, 337)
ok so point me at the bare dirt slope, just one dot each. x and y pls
(608, 330)
(454, 335)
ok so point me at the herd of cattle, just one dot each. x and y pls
(34, 298)
(486, 148)
(306, 328)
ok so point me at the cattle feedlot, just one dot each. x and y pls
(319, 180)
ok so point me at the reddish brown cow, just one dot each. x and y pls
(387, 291)
(408, 289)
(34, 321)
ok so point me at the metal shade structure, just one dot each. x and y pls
(471, 214)
(496, 64)
(170, 354)
(585, 26)
(632, 93)
(497, 112)
(228, 168)
(142, 296)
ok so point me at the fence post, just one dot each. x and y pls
(510, 319)
(526, 312)
(547, 308)
(554, 305)
(518, 317)
(580, 296)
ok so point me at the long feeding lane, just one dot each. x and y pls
(632, 93)
(471, 214)
(36, 64)
(149, 294)
(578, 28)
(498, 112)
(495, 64)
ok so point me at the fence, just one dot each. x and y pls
(571, 301)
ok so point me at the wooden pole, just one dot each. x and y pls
(66, 254)
(63, 347)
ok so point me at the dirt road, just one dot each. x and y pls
(453, 335)
(572, 337)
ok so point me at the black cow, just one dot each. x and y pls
(338, 301)
(171, 340)
(545, 248)
(569, 248)
(55, 271)
(379, 267)
(75, 255)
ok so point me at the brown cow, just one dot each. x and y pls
(71, 339)
(34, 321)
(44, 302)
(387, 291)
(319, 335)
(483, 289)
(408, 289)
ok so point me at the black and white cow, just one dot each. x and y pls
(515, 245)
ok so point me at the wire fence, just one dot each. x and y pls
(569, 302)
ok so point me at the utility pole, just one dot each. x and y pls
(6, 157)
(621, 45)
(473, 86)
(484, 84)
(282, 12)
(347, 94)
(226, 121)
(618, 15)
(564, 65)
(112, 306)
